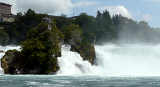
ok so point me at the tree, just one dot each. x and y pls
(41, 49)
(4, 38)
(72, 34)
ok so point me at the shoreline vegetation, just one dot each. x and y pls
(41, 37)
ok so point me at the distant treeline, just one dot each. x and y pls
(102, 28)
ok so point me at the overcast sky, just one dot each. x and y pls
(147, 10)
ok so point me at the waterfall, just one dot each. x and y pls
(1, 71)
(129, 59)
(113, 60)
(71, 63)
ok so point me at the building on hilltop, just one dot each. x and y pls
(5, 9)
(5, 13)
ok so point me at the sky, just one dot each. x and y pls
(140, 10)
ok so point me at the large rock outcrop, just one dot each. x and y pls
(39, 52)
(38, 55)
(13, 63)
(78, 44)
(87, 52)
(10, 62)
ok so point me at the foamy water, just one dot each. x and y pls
(129, 60)
(71, 63)
(112, 60)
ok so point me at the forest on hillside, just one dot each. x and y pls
(102, 28)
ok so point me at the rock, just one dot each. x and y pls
(8, 62)
(13, 63)
(1, 51)
(87, 52)
(74, 37)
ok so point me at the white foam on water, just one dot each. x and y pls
(129, 59)
(113, 60)
(71, 63)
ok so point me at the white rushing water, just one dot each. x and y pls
(4, 49)
(129, 60)
(114, 60)
(71, 63)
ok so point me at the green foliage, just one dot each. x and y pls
(62, 21)
(72, 33)
(106, 29)
(95, 29)
(88, 26)
(39, 48)
(103, 27)
(4, 37)
(17, 30)
(131, 31)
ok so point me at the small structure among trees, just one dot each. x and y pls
(5, 13)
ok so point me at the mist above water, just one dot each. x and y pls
(114, 60)
(129, 59)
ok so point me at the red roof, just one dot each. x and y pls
(1, 3)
